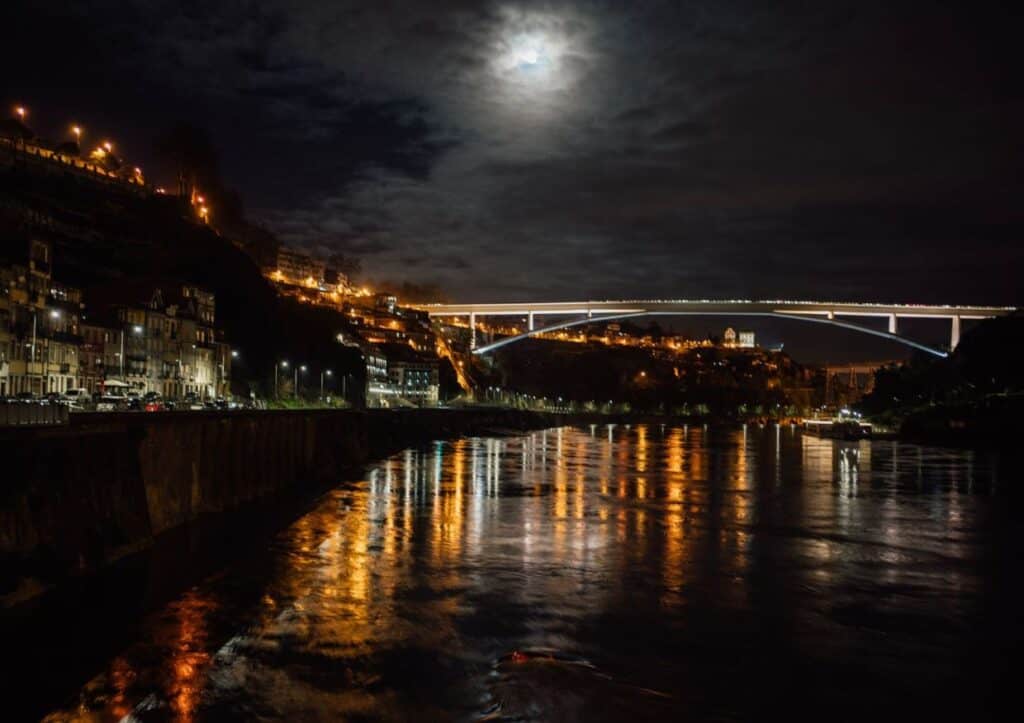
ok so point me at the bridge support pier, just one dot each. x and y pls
(472, 330)
(954, 336)
(892, 323)
(529, 321)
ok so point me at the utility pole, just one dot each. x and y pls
(328, 372)
(35, 314)
(283, 364)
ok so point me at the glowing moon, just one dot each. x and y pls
(529, 56)
(526, 52)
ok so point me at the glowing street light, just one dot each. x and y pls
(295, 387)
(282, 365)
(77, 130)
(108, 146)
(20, 111)
(328, 372)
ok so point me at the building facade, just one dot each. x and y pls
(300, 268)
(165, 344)
(39, 328)
(398, 376)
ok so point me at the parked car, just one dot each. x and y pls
(76, 398)
(108, 403)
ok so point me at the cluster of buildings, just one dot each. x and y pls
(141, 338)
(397, 343)
(310, 279)
(399, 348)
(613, 334)
(738, 340)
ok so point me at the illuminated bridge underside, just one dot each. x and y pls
(815, 312)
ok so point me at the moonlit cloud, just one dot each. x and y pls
(556, 149)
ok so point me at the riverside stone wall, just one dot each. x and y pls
(76, 496)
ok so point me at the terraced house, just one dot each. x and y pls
(39, 327)
(161, 337)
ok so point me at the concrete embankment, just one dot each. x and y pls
(75, 497)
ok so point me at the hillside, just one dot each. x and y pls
(720, 382)
(105, 235)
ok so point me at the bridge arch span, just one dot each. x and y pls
(487, 348)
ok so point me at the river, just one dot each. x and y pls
(638, 573)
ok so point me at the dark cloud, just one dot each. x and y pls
(557, 150)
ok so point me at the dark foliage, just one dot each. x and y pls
(988, 361)
(719, 382)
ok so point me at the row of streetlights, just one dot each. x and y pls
(76, 130)
(296, 369)
(99, 152)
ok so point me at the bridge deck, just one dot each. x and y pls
(737, 307)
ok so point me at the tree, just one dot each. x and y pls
(194, 156)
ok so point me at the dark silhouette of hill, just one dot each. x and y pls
(976, 395)
(711, 380)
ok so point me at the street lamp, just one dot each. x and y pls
(328, 372)
(77, 130)
(20, 111)
(295, 388)
(283, 365)
(54, 314)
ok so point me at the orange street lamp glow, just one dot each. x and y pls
(78, 133)
(108, 145)
(20, 110)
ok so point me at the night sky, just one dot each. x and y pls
(507, 151)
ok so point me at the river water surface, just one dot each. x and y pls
(604, 573)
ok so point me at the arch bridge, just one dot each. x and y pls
(838, 314)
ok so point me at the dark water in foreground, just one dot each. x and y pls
(644, 573)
